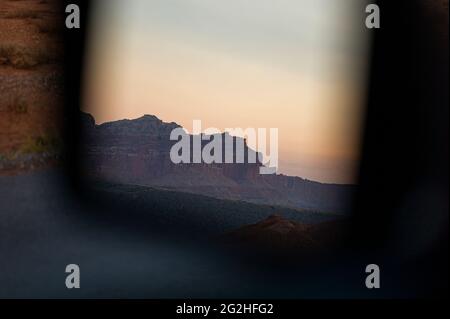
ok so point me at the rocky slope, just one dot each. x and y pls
(276, 233)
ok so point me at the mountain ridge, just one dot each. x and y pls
(137, 151)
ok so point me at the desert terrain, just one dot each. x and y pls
(30, 83)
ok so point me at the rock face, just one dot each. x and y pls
(138, 152)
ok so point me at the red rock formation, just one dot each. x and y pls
(138, 152)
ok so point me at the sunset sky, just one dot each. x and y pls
(295, 65)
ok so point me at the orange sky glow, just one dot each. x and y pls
(298, 66)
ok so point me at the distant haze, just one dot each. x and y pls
(296, 65)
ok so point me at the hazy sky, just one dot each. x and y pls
(296, 65)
